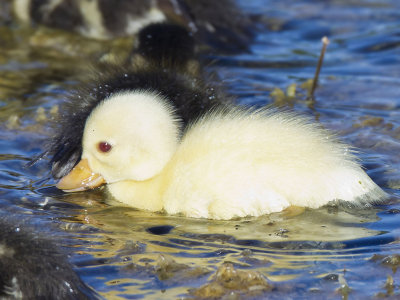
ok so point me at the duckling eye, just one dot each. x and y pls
(104, 147)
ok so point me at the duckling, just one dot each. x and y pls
(230, 162)
(219, 25)
(33, 268)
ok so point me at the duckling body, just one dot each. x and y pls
(246, 163)
(230, 163)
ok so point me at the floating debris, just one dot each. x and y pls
(168, 269)
(228, 281)
(54, 110)
(40, 115)
(344, 288)
(392, 261)
(371, 121)
(291, 90)
(282, 99)
(13, 122)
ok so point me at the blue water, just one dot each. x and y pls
(330, 253)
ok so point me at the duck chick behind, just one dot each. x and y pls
(220, 26)
(232, 162)
(32, 267)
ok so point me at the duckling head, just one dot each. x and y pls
(129, 136)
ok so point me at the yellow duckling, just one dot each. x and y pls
(231, 162)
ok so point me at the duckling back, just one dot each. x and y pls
(240, 163)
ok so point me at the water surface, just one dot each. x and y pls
(122, 253)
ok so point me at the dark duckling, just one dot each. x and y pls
(220, 25)
(32, 267)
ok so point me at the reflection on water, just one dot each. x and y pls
(132, 246)
(336, 251)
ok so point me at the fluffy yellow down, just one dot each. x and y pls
(228, 164)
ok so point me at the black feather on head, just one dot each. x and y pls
(166, 45)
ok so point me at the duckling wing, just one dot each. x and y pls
(246, 163)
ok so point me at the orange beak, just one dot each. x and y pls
(80, 178)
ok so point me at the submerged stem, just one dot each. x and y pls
(325, 42)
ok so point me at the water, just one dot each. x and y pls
(122, 253)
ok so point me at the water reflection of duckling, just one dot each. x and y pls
(33, 268)
(219, 24)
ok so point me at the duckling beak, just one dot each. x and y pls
(80, 178)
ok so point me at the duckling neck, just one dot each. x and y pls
(140, 194)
